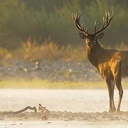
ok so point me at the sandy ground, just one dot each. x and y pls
(68, 108)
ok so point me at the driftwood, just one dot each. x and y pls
(42, 109)
(45, 112)
(19, 111)
(25, 109)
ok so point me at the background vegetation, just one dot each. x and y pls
(44, 30)
(39, 20)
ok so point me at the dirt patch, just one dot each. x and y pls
(104, 116)
(65, 116)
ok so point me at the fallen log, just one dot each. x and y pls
(25, 109)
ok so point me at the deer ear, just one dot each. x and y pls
(82, 35)
(99, 36)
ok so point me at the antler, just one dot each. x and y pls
(77, 22)
(106, 22)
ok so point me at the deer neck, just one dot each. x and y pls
(95, 54)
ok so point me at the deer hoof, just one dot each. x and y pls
(112, 110)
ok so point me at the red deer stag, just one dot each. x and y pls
(111, 64)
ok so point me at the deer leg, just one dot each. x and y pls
(120, 89)
(113, 104)
(111, 95)
(117, 78)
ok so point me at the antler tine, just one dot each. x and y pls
(76, 19)
(103, 22)
(107, 18)
(110, 18)
(106, 22)
(77, 22)
(108, 15)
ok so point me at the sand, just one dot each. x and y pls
(67, 108)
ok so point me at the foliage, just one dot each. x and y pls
(42, 19)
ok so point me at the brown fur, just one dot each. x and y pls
(111, 64)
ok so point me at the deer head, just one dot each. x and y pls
(91, 39)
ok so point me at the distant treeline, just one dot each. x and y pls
(51, 19)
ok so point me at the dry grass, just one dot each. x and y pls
(48, 50)
(45, 84)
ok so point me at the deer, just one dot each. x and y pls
(112, 64)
